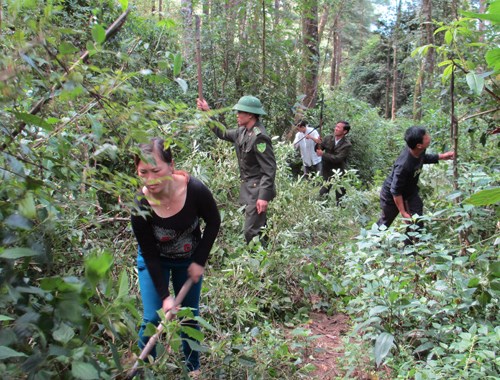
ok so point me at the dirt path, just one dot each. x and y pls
(328, 348)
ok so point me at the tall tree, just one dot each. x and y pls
(395, 62)
(188, 35)
(311, 51)
(426, 67)
(336, 52)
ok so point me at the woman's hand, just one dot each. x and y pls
(168, 304)
(195, 271)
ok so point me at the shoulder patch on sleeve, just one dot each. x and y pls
(261, 147)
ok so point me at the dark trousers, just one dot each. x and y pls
(309, 170)
(254, 223)
(413, 205)
(339, 193)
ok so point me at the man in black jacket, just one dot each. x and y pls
(334, 151)
(399, 194)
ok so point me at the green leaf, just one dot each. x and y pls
(33, 120)
(475, 82)
(495, 285)
(6, 352)
(378, 310)
(192, 333)
(5, 318)
(123, 289)
(383, 345)
(27, 206)
(30, 62)
(63, 334)
(473, 282)
(124, 4)
(448, 37)
(84, 371)
(182, 83)
(68, 284)
(196, 346)
(485, 197)
(17, 253)
(67, 48)
(204, 323)
(18, 221)
(493, 58)
(447, 72)
(98, 33)
(177, 64)
(247, 361)
(494, 18)
(96, 267)
(495, 268)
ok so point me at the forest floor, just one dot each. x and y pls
(326, 351)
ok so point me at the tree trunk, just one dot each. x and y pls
(454, 9)
(187, 38)
(429, 32)
(153, 7)
(243, 38)
(263, 42)
(311, 53)
(276, 13)
(394, 80)
(481, 26)
(206, 8)
(338, 58)
(322, 22)
(426, 67)
(395, 63)
(417, 93)
(388, 83)
(160, 9)
(335, 52)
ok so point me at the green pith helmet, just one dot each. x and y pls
(249, 104)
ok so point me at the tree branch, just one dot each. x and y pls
(110, 32)
(478, 114)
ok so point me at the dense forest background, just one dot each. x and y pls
(83, 82)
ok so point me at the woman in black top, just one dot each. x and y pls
(171, 243)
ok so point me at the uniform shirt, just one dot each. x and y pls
(177, 237)
(405, 173)
(306, 146)
(256, 161)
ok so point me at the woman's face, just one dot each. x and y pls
(155, 173)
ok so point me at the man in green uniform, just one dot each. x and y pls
(256, 161)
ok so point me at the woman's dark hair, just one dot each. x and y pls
(156, 145)
(414, 135)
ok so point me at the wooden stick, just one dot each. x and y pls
(152, 340)
(198, 56)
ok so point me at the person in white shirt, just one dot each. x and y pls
(305, 141)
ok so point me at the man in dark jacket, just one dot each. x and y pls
(334, 151)
(399, 194)
(256, 161)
